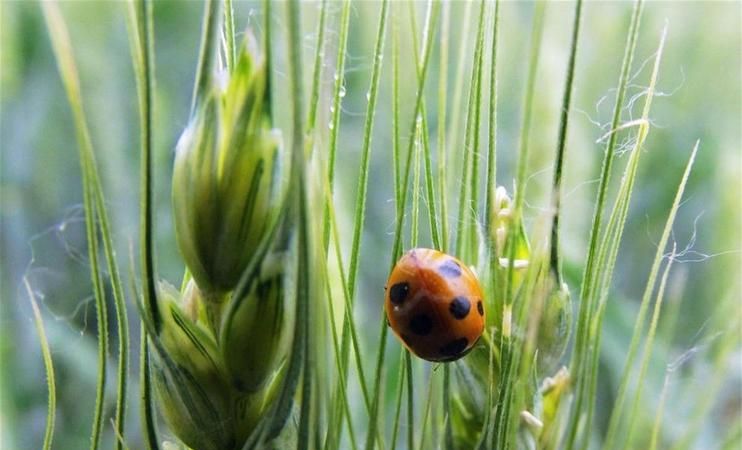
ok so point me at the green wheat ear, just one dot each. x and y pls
(225, 182)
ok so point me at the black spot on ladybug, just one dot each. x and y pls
(398, 292)
(454, 348)
(450, 269)
(421, 325)
(459, 307)
(480, 308)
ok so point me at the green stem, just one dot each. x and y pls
(561, 143)
(209, 35)
(48, 367)
(230, 49)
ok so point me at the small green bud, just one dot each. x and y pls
(226, 180)
(501, 222)
(256, 334)
(193, 390)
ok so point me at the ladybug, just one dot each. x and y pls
(434, 305)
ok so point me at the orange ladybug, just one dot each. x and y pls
(435, 305)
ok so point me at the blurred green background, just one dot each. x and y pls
(700, 81)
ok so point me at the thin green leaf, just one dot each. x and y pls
(442, 148)
(648, 343)
(509, 350)
(400, 388)
(230, 48)
(145, 395)
(579, 362)
(610, 248)
(490, 186)
(641, 316)
(431, 19)
(424, 142)
(68, 72)
(206, 56)
(298, 206)
(319, 56)
(48, 367)
(561, 144)
(141, 37)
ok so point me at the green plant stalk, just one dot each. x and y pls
(267, 27)
(209, 33)
(430, 189)
(230, 48)
(68, 72)
(48, 367)
(648, 343)
(458, 244)
(334, 129)
(348, 310)
(340, 404)
(523, 141)
(442, 95)
(426, 413)
(298, 206)
(491, 180)
(142, 48)
(329, 443)
(362, 187)
(639, 324)
(297, 367)
(474, 150)
(410, 398)
(360, 209)
(336, 109)
(509, 351)
(400, 388)
(405, 360)
(141, 37)
(660, 413)
(431, 19)
(490, 184)
(145, 399)
(414, 228)
(395, 107)
(578, 362)
(458, 89)
(613, 242)
(319, 56)
(555, 264)
(122, 321)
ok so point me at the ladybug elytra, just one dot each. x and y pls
(434, 305)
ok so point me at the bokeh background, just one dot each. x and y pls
(41, 218)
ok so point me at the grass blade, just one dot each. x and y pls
(396, 247)
(48, 367)
(230, 48)
(145, 396)
(141, 36)
(206, 57)
(68, 71)
(579, 356)
(641, 316)
(561, 144)
(509, 351)
(442, 148)
(319, 57)
(299, 214)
